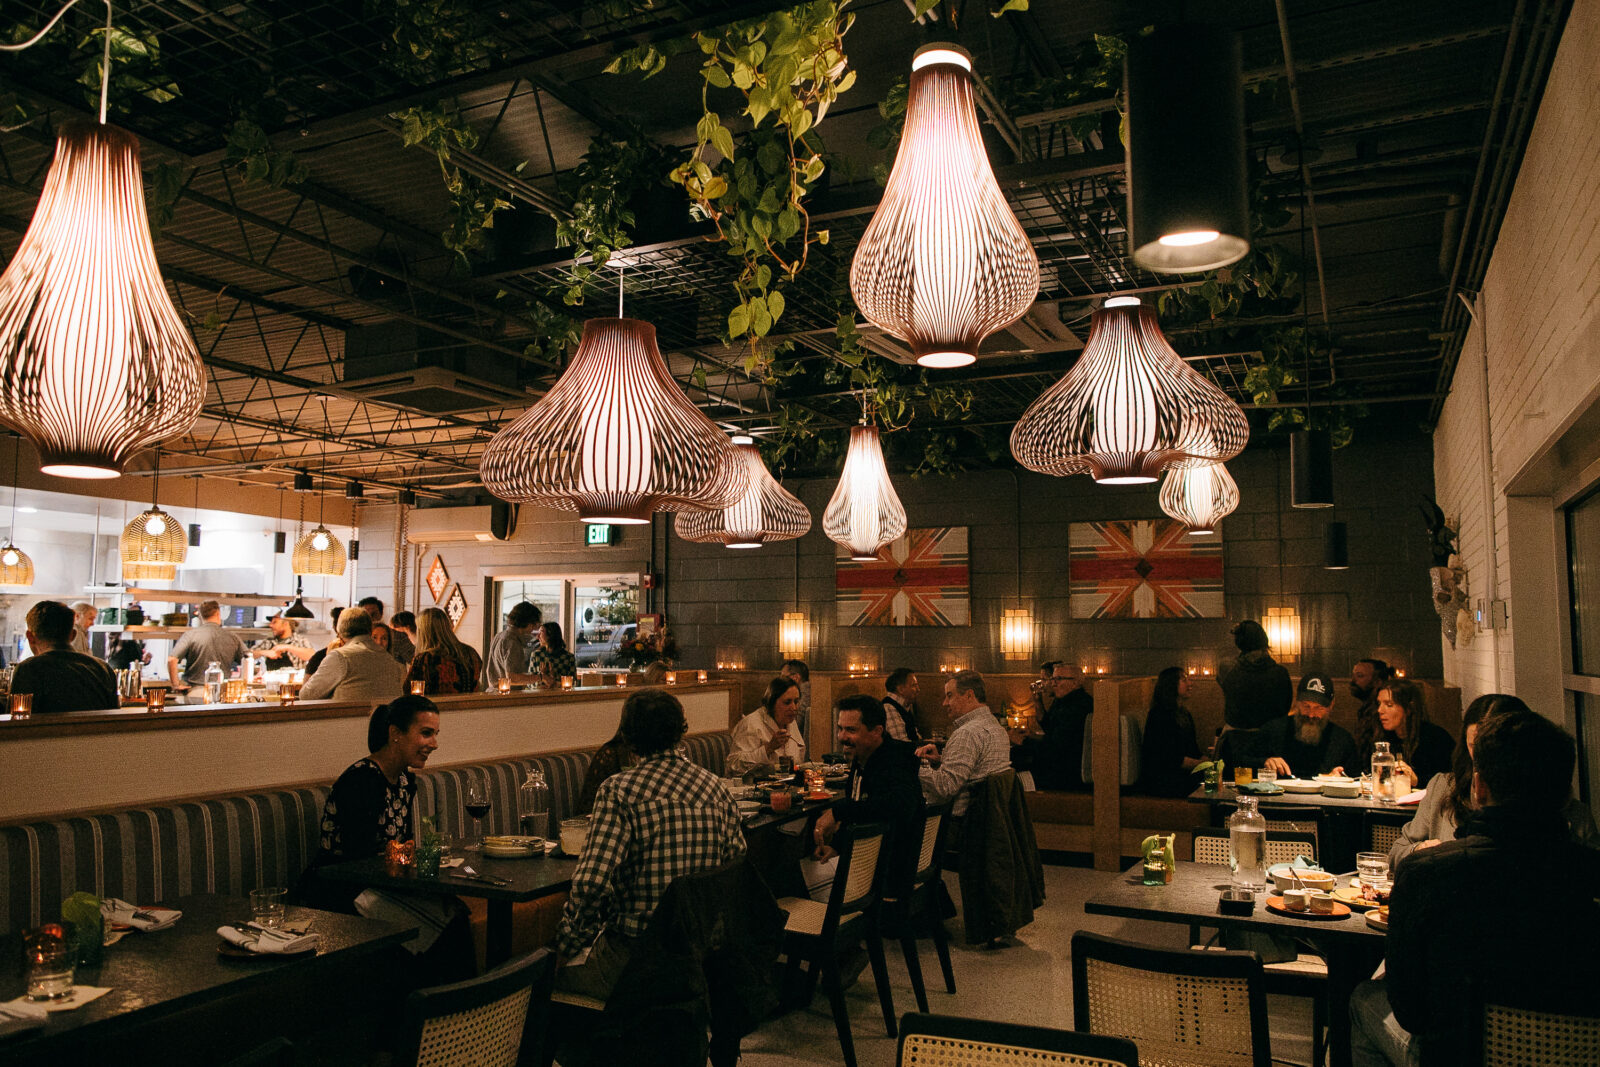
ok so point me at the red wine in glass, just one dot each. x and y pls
(478, 810)
(477, 805)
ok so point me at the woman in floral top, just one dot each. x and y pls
(442, 663)
(551, 660)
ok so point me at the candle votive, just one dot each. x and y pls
(622, 681)
(155, 699)
(504, 685)
(22, 705)
(419, 688)
(566, 681)
(672, 677)
(702, 676)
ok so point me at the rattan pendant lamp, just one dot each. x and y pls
(318, 554)
(864, 513)
(96, 362)
(944, 262)
(153, 544)
(1199, 497)
(615, 439)
(16, 569)
(766, 512)
(1129, 408)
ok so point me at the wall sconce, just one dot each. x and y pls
(792, 635)
(1283, 633)
(1016, 633)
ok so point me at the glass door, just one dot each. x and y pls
(597, 612)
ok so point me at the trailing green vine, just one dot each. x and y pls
(472, 204)
(602, 189)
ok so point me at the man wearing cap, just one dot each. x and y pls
(1304, 743)
(286, 647)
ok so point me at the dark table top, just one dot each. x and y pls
(1229, 794)
(153, 975)
(1191, 897)
(799, 809)
(529, 879)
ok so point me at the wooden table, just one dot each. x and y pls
(174, 998)
(1351, 946)
(1340, 819)
(528, 879)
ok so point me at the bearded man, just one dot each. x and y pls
(1305, 744)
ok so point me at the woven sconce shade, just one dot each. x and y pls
(944, 262)
(864, 513)
(766, 512)
(1199, 497)
(793, 634)
(96, 362)
(615, 439)
(15, 566)
(1129, 408)
(152, 546)
(318, 554)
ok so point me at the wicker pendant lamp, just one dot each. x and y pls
(864, 513)
(1129, 408)
(615, 439)
(944, 262)
(16, 569)
(97, 365)
(153, 544)
(766, 512)
(1199, 497)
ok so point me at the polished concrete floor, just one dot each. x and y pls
(1028, 982)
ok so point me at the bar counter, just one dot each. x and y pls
(61, 763)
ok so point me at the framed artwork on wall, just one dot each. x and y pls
(922, 579)
(438, 578)
(1143, 569)
(455, 606)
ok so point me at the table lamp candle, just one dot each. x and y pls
(672, 677)
(22, 705)
(155, 699)
(566, 681)
(418, 688)
(702, 676)
(622, 681)
(504, 685)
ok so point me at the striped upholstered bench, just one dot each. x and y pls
(234, 843)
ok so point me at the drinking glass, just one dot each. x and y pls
(1267, 777)
(1373, 867)
(419, 688)
(22, 705)
(266, 907)
(1242, 775)
(50, 963)
(477, 806)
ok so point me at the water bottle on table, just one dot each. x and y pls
(533, 805)
(214, 681)
(1385, 785)
(1247, 845)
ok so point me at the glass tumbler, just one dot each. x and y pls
(49, 961)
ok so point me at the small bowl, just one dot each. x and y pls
(1342, 790)
(1321, 903)
(1295, 899)
(1302, 878)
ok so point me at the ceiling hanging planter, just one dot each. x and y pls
(1129, 408)
(1199, 497)
(1188, 202)
(97, 363)
(766, 512)
(615, 439)
(944, 262)
(864, 513)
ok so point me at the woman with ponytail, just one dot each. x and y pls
(371, 803)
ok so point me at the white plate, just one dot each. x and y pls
(1299, 785)
(1336, 779)
(511, 853)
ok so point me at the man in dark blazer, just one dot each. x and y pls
(883, 785)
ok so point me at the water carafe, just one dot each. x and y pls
(533, 805)
(214, 681)
(1385, 787)
(1247, 845)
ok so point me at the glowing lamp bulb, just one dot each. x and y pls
(9, 557)
(155, 526)
(1187, 240)
(320, 542)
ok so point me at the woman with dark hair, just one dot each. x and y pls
(441, 662)
(551, 660)
(1421, 748)
(763, 736)
(1449, 800)
(1170, 750)
(371, 803)
(1255, 688)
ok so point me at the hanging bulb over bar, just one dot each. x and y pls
(944, 262)
(766, 512)
(864, 513)
(1199, 497)
(152, 546)
(1129, 408)
(318, 553)
(96, 362)
(615, 439)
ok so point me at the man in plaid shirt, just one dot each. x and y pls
(661, 818)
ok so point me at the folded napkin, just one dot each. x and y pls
(32, 1012)
(120, 911)
(268, 942)
(21, 1014)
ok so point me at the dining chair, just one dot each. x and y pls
(915, 915)
(1520, 1036)
(1383, 828)
(497, 1019)
(1206, 1009)
(816, 934)
(952, 1041)
(1307, 974)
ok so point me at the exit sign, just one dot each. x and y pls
(600, 533)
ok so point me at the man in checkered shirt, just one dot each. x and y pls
(661, 818)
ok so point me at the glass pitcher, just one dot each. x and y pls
(1247, 845)
(533, 805)
(1385, 787)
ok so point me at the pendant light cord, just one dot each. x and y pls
(31, 41)
(16, 458)
(620, 270)
(105, 58)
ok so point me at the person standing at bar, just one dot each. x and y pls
(59, 678)
(201, 646)
(510, 650)
(83, 616)
(358, 669)
(900, 705)
(1256, 688)
(442, 663)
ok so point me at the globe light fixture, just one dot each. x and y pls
(864, 513)
(944, 262)
(766, 512)
(615, 439)
(97, 363)
(1199, 497)
(152, 546)
(1129, 408)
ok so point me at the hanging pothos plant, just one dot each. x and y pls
(783, 70)
(473, 204)
(603, 188)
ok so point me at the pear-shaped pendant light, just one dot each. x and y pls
(1129, 408)
(1200, 496)
(153, 544)
(97, 365)
(864, 513)
(615, 439)
(16, 569)
(766, 512)
(944, 262)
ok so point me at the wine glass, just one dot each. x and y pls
(477, 806)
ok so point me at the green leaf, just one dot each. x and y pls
(775, 304)
(716, 75)
(788, 223)
(763, 277)
(739, 321)
(722, 139)
(925, 6)
(706, 127)
(761, 226)
(1011, 5)
(699, 377)
(760, 317)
